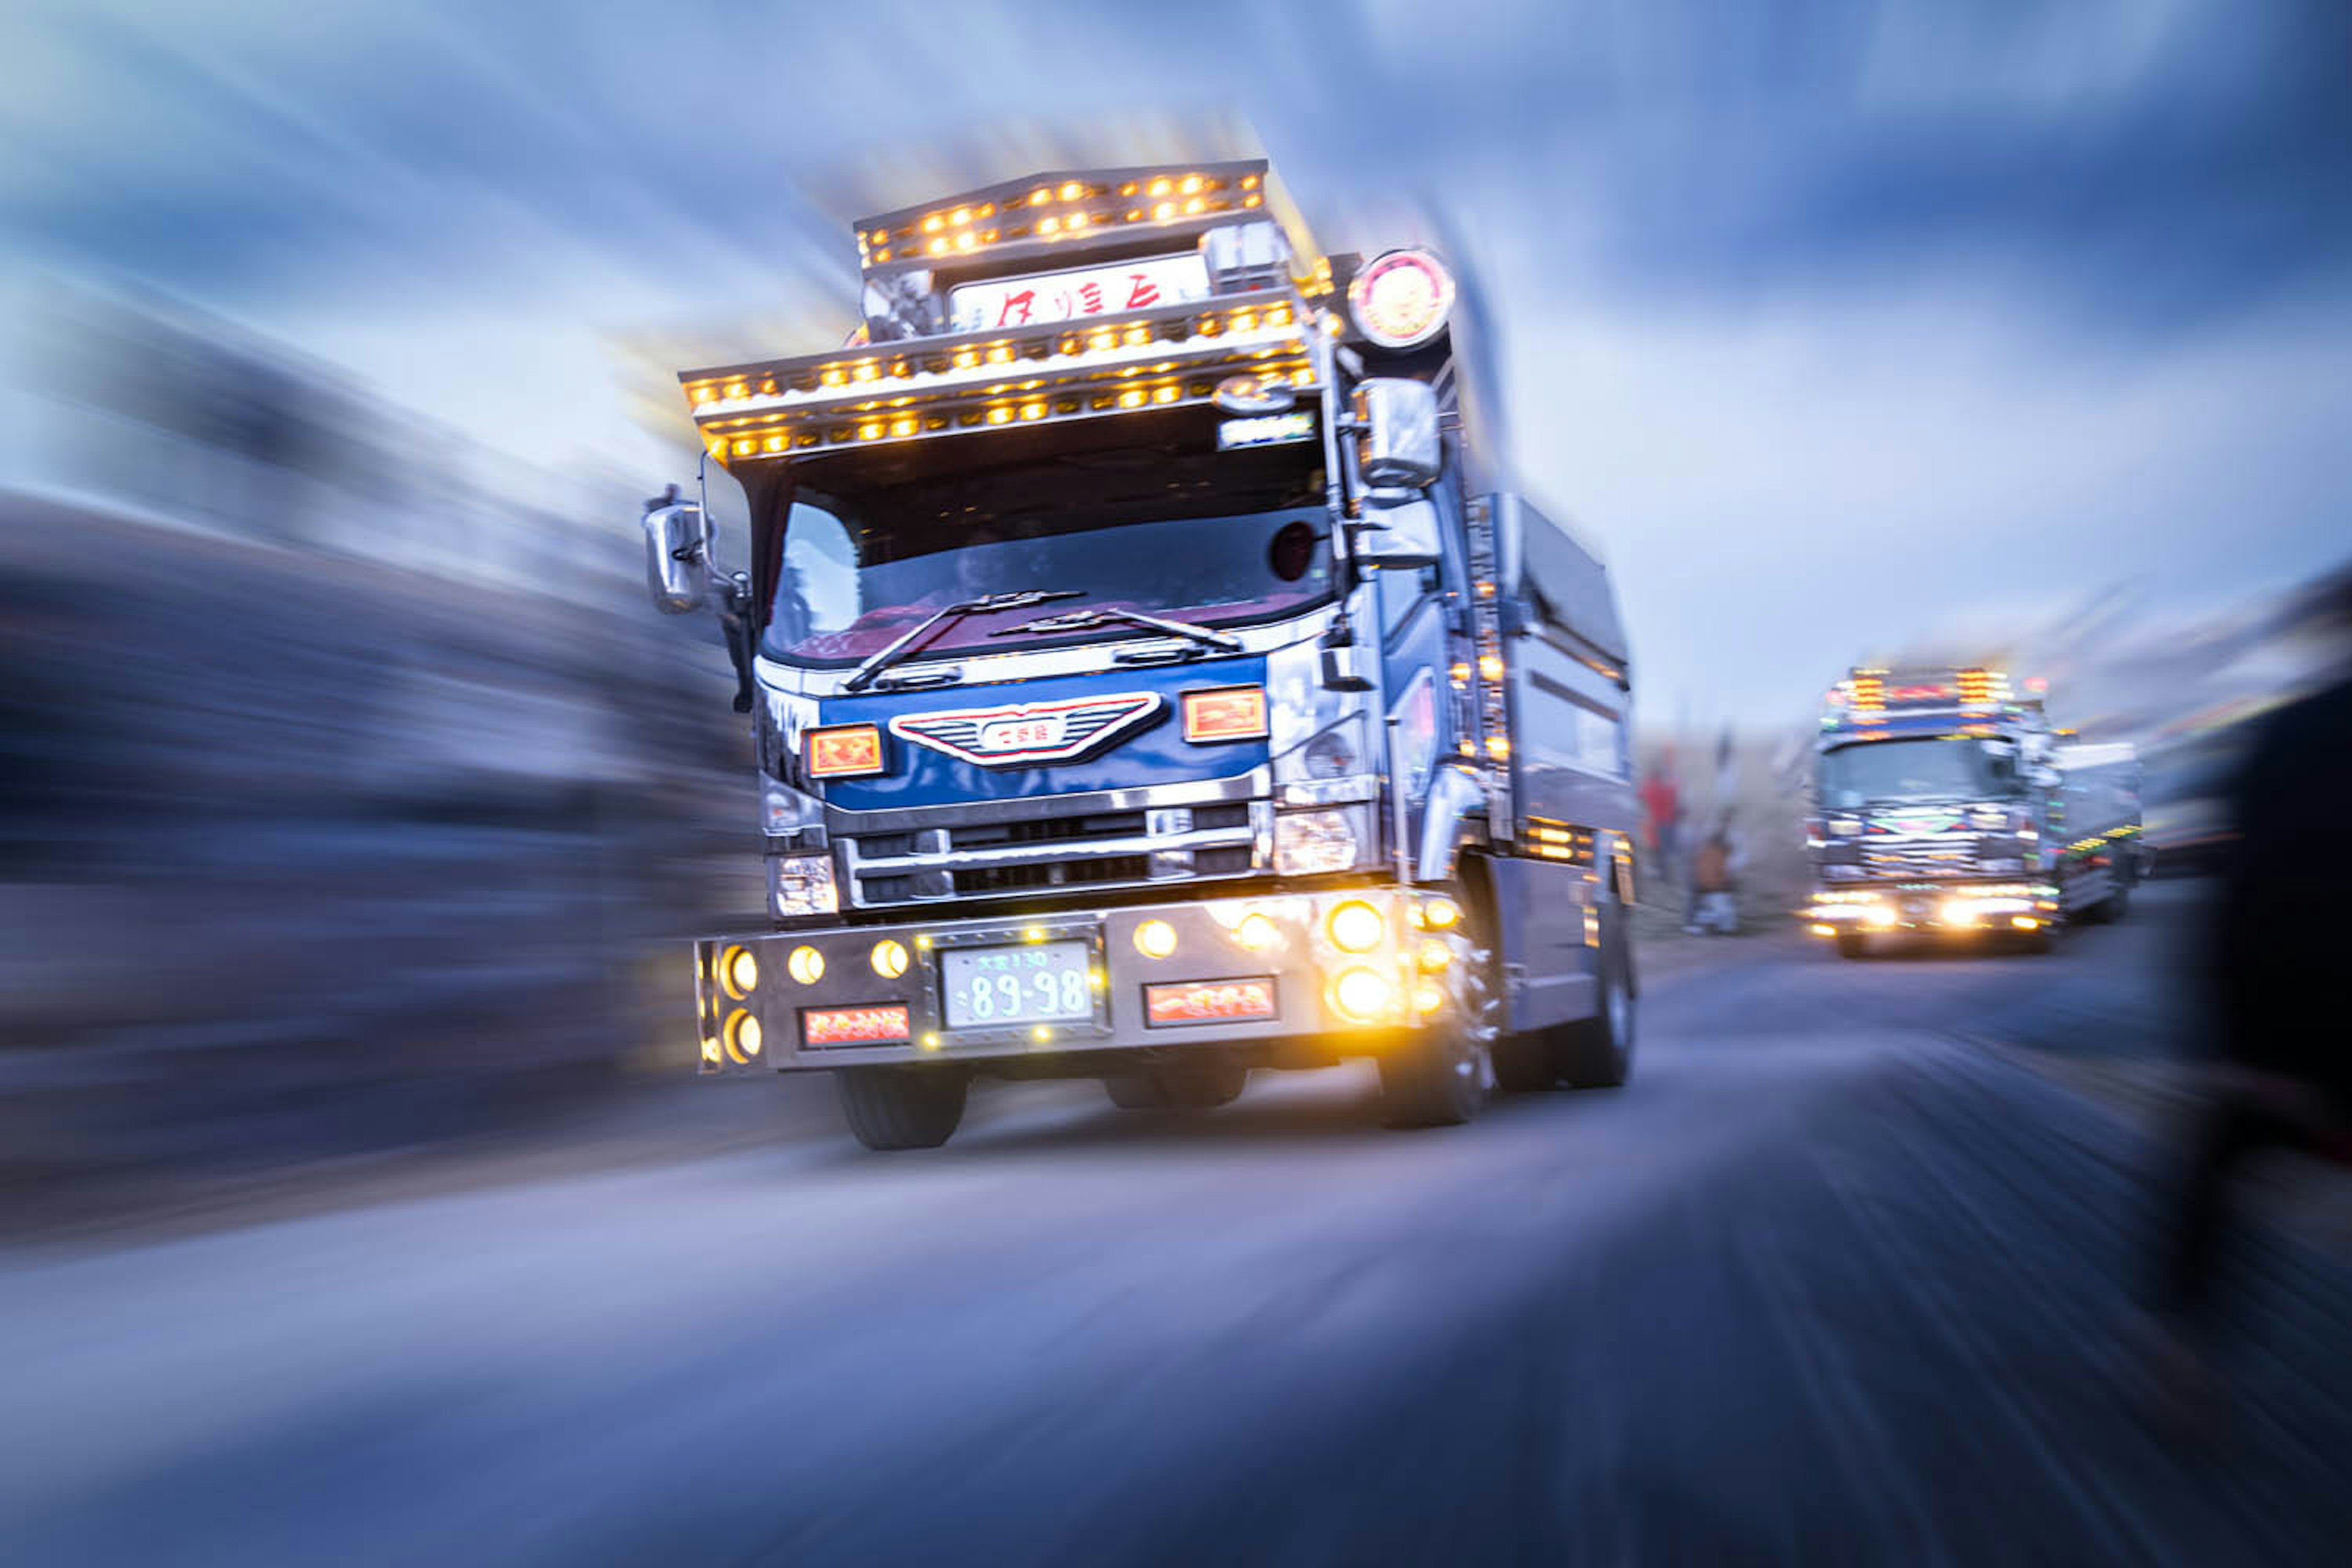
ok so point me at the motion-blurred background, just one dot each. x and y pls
(350, 795)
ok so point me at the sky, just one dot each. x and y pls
(1832, 327)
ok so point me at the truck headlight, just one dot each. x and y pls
(802, 885)
(1308, 842)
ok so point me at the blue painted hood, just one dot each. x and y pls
(1153, 753)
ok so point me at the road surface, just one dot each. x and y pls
(1841, 1277)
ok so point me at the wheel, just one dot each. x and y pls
(2118, 903)
(1439, 1077)
(902, 1108)
(1598, 1053)
(1187, 1088)
(1851, 945)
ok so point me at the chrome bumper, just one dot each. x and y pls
(1956, 905)
(1220, 957)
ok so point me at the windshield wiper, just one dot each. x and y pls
(863, 676)
(1088, 620)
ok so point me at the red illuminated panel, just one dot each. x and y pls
(1226, 713)
(1208, 1002)
(1920, 693)
(880, 1026)
(845, 750)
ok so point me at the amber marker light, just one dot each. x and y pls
(742, 1036)
(843, 751)
(1225, 714)
(889, 958)
(1155, 939)
(1361, 995)
(738, 972)
(1257, 932)
(1356, 927)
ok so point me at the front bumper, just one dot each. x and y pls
(1962, 907)
(1261, 971)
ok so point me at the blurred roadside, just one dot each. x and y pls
(350, 790)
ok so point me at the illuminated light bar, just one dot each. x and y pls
(886, 1025)
(1069, 376)
(1225, 714)
(1042, 210)
(843, 751)
(857, 380)
(1401, 298)
(1168, 1007)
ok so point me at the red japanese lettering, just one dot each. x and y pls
(1025, 301)
(1090, 299)
(1141, 290)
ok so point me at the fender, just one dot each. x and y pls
(1456, 799)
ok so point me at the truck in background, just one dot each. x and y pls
(1154, 678)
(1946, 805)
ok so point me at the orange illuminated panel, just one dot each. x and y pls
(843, 751)
(885, 1024)
(1208, 1002)
(1225, 714)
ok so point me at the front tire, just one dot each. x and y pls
(1598, 1053)
(902, 1108)
(1851, 945)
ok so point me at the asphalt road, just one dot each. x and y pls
(1841, 1277)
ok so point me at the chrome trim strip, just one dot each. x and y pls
(1056, 852)
(1250, 785)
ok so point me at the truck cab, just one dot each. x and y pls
(1152, 678)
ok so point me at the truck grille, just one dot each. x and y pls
(1920, 860)
(1083, 849)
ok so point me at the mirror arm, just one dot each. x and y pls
(735, 622)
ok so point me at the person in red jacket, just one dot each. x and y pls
(1662, 810)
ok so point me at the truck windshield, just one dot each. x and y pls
(1139, 511)
(1935, 769)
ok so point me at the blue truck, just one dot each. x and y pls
(1153, 678)
(1945, 808)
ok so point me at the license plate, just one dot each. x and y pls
(1035, 983)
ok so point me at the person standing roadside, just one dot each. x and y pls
(2272, 942)
(1662, 808)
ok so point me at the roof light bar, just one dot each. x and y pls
(1045, 209)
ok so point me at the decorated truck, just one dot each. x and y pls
(1153, 677)
(1946, 807)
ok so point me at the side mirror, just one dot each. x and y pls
(678, 555)
(1400, 531)
(1346, 669)
(1396, 444)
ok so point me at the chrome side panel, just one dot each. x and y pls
(1551, 958)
